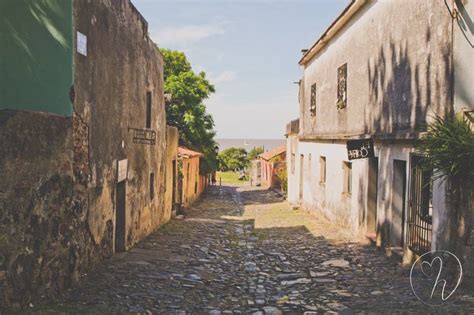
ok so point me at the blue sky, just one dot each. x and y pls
(250, 52)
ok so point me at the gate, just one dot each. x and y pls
(420, 208)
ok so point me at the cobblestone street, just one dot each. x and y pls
(245, 251)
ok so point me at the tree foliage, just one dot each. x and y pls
(232, 159)
(186, 110)
(254, 153)
(448, 151)
(448, 148)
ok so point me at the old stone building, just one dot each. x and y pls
(83, 141)
(376, 76)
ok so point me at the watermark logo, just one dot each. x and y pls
(435, 277)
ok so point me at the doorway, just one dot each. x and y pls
(398, 203)
(301, 175)
(120, 216)
(372, 193)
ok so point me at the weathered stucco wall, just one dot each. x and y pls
(36, 55)
(292, 155)
(171, 171)
(396, 77)
(191, 182)
(111, 85)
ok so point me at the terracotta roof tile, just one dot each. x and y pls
(271, 154)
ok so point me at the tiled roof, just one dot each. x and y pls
(271, 154)
(186, 152)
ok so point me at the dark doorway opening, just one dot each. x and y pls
(398, 202)
(301, 175)
(372, 193)
(120, 216)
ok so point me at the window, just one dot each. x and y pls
(347, 184)
(148, 110)
(312, 106)
(322, 169)
(342, 86)
(152, 186)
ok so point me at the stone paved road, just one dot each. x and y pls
(243, 251)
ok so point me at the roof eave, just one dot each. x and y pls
(352, 8)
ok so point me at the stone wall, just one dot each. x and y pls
(58, 193)
(111, 85)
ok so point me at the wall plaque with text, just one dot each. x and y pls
(143, 136)
(360, 149)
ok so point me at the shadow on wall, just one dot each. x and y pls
(36, 54)
(403, 92)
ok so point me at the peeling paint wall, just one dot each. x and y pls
(396, 77)
(193, 183)
(58, 193)
(111, 85)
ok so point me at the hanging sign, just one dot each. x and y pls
(360, 149)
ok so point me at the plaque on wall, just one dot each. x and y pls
(143, 136)
(122, 170)
(360, 149)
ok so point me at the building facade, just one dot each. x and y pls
(83, 134)
(192, 183)
(380, 90)
(270, 164)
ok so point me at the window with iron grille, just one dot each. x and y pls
(312, 106)
(342, 86)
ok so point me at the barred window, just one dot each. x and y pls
(342, 86)
(312, 107)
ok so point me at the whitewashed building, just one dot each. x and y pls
(378, 73)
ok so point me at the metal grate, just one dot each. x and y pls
(419, 210)
(342, 86)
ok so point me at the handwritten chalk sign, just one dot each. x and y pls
(360, 149)
(122, 168)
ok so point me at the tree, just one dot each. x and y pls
(186, 110)
(448, 151)
(254, 153)
(233, 159)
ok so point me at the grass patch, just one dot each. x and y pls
(229, 178)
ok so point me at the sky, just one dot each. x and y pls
(249, 50)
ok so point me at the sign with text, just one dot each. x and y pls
(144, 136)
(122, 167)
(360, 149)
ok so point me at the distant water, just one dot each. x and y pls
(249, 144)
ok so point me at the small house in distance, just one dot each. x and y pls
(191, 183)
(271, 163)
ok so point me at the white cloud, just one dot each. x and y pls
(226, 76)
(185, 35)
